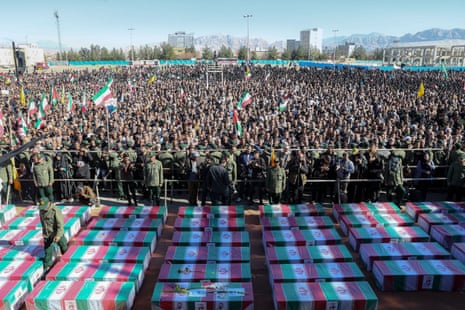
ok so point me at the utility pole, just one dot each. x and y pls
(59, 34)
(248, 16)
(335, 45)
(131, 47)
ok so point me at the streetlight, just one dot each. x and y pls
(335, 45)
(131, 47)
(248, 16)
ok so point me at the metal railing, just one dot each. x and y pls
(171, 192)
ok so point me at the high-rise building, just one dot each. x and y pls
(312, 38)
(181, 39)
(292, 45)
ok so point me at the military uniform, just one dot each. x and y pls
(51, 219)
(115, 173)
(275, 183)
(6, 176)
(42, 173)
(456, 179)
(394, 177)
(153, 177)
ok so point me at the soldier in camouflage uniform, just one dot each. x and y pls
(51, 219)
(42, 173)
(231, 166)
(6, 176)
(275, 182)
(456, 179)
(153, 177)
(115, 173)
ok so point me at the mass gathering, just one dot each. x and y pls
(318, 125)
(312, 169)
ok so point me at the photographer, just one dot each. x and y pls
(258, 167)
(298, 170)
(344, 168)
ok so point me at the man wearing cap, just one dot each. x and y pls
(127, 170)
(275, 182)
(51, 219)
(193, 175)
(231, 166)
(456, 179)
(6, 177)
(153, 178)
(42, 173)
(217, 182)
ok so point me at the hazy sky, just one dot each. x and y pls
(106, 22)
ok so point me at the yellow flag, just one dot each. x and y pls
(22, 97)
(272, 157)
(421, 90)
(16, 182)
(63, 94)
(152, 79)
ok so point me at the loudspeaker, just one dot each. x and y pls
(21, 61)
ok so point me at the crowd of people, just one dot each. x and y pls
(323, 135)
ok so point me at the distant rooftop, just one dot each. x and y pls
(439, 43)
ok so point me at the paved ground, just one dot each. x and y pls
(262, 289)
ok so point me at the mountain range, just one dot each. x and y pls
(369, 41)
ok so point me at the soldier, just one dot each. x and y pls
(6, 177)
(51, 219)
(42, 173)
(153, 177)
(231, 166)
(115, 173)
(193, 175)
(127, 169)
(456, 179)
(394, 177)
(217, 182)
(276, 182)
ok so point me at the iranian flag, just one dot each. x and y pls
(70, 108)
(283, 103)
(44, 105)
(40, 123)
(237, 123)
(182, 94)
(248, 74)
(71, 78)
(21, 126)
(103, 95)
(245, 100)
(84, 102)
(2, 128)
(53, 96)
(267, 76)
(31, 110)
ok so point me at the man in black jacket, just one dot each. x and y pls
(218, 182)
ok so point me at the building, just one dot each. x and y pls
(312, 38)
(346, 50)
(29, 55)
(292, 45)
(427, 53)
(181, 40)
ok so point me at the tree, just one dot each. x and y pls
(286, 55)
(378, 54)
(273, 53)
(207, 53)
(167, 52)
(225, 52)
(242, 54)
(299, 54)
(253, 55)
(359, 53)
